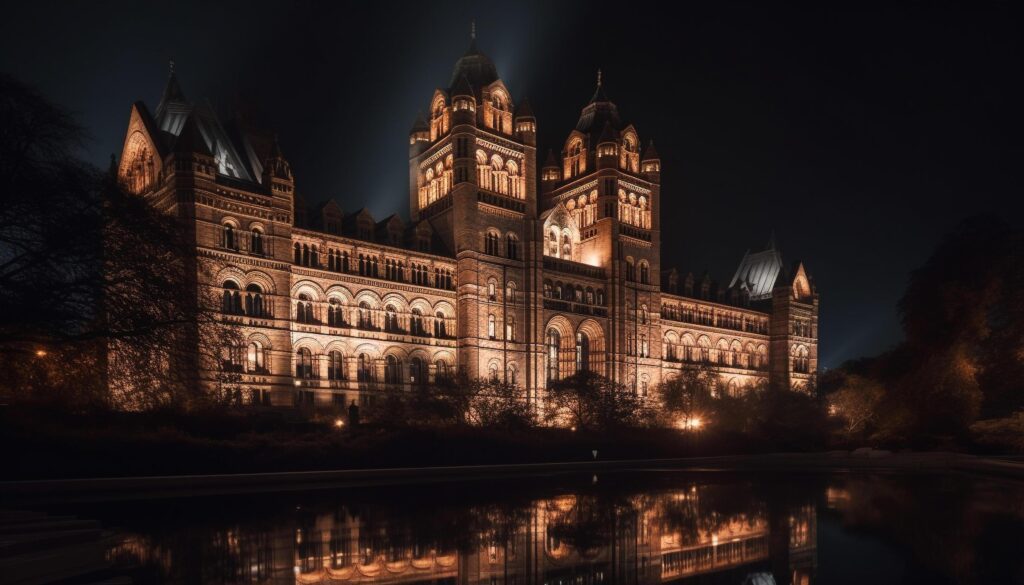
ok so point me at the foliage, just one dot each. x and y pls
(96, 286)
(588, 401)
(687, 397)
(1004, 434)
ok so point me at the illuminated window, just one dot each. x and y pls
(232, 299)
(335, 366)
(554, 341)
(254, 301)
(490, 326)
(304, 364)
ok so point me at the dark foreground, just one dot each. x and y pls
(641, 526)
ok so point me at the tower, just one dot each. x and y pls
(472, 176)
(602, 210)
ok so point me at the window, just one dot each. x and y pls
(417, 375)
(304, 364)
(490, 326)
(491, 244)
(254, 301)
(256, 242)
(510, 328)
(365, 373)
(391, 319)
(416, 323)
(511, 374)
(554, 341)
(643, 314)
(393, 370)
(440, 328)
(645, 276)
(582, 352)
(232, 301)
(230, 241)
(232, 359)
(441, 369)
(512, 247)
(365, 316)
(492, 372)
(492, 290)
(256, 359)
(566, 247)
(630, 270)
(335, 366)
(304, 309)
(335, 316)
(510, 292)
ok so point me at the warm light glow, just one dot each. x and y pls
(40, 353)
(690, 424)
(298, 383)
(338, 423)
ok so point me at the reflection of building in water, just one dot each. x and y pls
(565, 540)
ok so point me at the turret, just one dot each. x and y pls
(463, 102)
(651, 164)
(419, 135)
(525, 123)
(607, 148)
(550, 173)
(277, 173)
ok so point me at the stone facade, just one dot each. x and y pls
(505, 270)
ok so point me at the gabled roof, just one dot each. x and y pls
(191, 139)
(758, 273)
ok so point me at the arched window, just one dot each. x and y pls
(304, 364)
(645, 276)
(298, 254)
(512, 247)
(232, 301)
(440, 328)
(256, 241)
(335, 366)
(510, 328)
(554, 342)
(492, 372)
(365, 316)
(644, 315)
(304, 309)
(599, 296)
(566, 247)
(441, 370)
(510, 292)
(490, 326)
(256, 359)
(492, 293)
(547, 289)
(511, 375)
(416, 323)
(254, 301)
(393, 370)
(630, 270)
(491, 243)
(230, 242)
(335, 316)
(391, 319)
(582, 352)
(305, 254)
(365, 373)
(416, 374)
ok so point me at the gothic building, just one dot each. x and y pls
(505, 269)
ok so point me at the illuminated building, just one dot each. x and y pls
(505, 270)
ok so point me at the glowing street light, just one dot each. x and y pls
(338, 423)
(690, 424)
(41, 353)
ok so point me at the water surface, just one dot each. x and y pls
(640, 527)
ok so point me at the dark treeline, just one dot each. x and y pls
(959, 375)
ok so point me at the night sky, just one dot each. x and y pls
(859, 136)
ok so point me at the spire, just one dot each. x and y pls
(598, 74)
(771, 241)
(523, 109)
(599, 95)
(276, 166)
(463, 88)
(472, 30)
(172, 92)
(607, 134)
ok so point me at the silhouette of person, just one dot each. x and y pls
(353, 414)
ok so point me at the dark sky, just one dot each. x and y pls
(859, 135)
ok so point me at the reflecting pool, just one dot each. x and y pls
(639, 527)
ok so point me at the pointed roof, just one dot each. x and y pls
(462, 87)
(419, 124)
(478, 69)
(550, 161)
(598, 112)
(523, 110)
(608, 134)
(191, 139)
(650, 153)
(172, 93)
